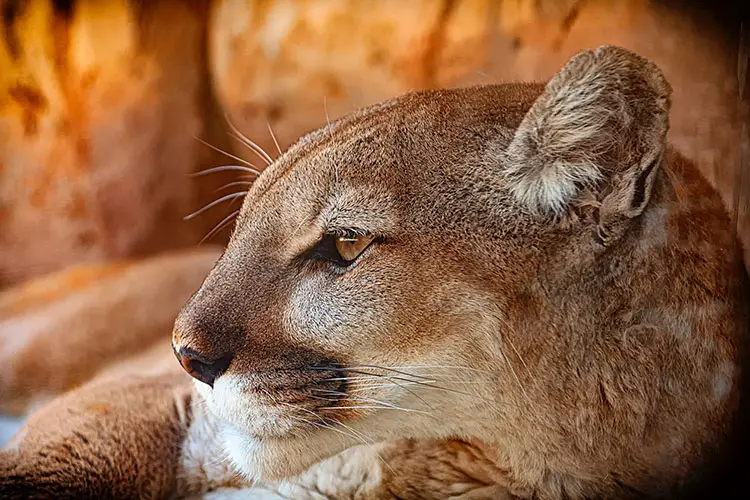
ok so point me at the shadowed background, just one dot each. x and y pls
(101, 102)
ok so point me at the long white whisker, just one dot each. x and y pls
(451, 367)
(364, 438)
(323, 419)
(223, 168)
(218, 227)
(330, 427)
(235, 183)
(376, 367)
(273, 136)
(373, 407)
(425, 384)
(378, 386)
(517, 353)
(515, 375)
(370, 377)
(357, 436)
(259, 153)
(330, 132)
(359, 398)
(428, 405)
(252, 145)
(372, 443)
(214, 203)
(322, 422)
(230, 155)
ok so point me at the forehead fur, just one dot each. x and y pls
(363, 169)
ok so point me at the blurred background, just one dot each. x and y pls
(102, 103)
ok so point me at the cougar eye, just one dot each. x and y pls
(342, 249)
(351, 247)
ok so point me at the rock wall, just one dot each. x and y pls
(99, 103)
(100, 100)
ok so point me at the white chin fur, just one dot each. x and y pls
(285, 452)
(265, 444)
(276, 459)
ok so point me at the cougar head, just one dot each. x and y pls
(434, 266)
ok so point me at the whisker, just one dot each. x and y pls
(515, 375)
(365, 439)
(376, 367)
(367, 378)
(503, 338)
(350, 370)
(517, 353)
(323, 423)
(330, 427)
(432, 386)
(430, 378)
(248, 142)
(357, 436)
(451, 367)
(360, 398)
(378, 386)
(261, 154)
(392, 377)
(218, 227)
(214, 203)
(330, 132)
(235, 183)
(223, 168)
(230, 155)
(294, 233)
(428, 405)
(372, 407)
(220, 460)
(273, 136)
(372, 444)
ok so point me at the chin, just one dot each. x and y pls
(270, 439)
(265, 441)
(274, 459)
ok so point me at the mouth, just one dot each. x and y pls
(294, 403)
(280, 403)
(307, 403)
(276, 424)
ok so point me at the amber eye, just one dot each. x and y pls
(350, 247)
(341, 250)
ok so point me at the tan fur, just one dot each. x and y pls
(555, 307)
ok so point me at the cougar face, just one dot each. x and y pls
(472, 263)
(352, 287)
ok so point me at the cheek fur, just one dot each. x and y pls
(337, 314)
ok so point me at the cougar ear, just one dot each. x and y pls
(600, 125)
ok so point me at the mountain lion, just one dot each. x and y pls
(509, 291)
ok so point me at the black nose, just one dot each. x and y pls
(203, 369)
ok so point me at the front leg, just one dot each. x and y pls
(120, 439)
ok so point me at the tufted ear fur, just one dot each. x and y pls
(599, 127)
